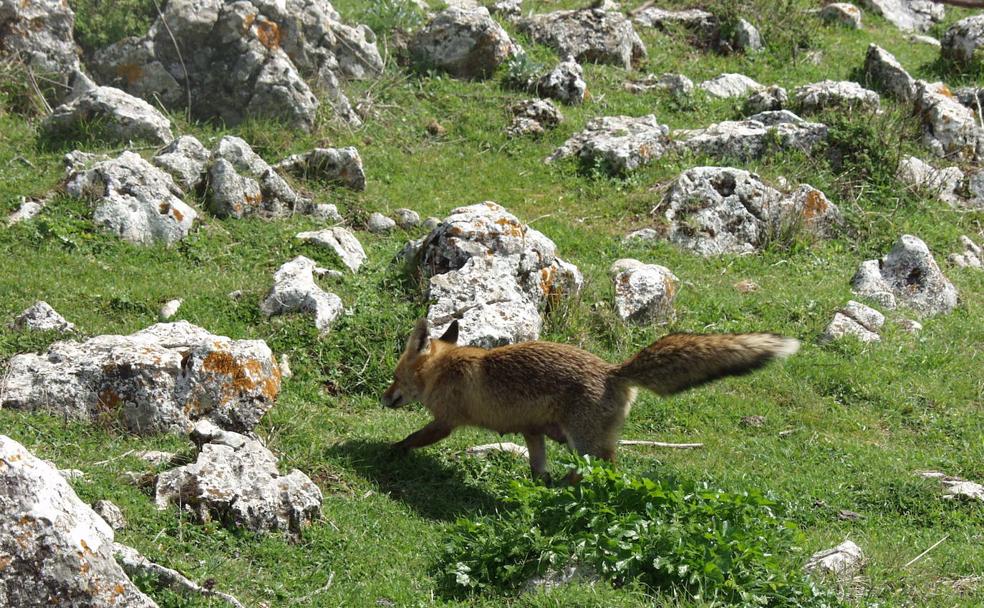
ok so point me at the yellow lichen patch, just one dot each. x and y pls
(814, 205)
(248, 22)
(242, 376)
(85, 547)
(547, 277)
(513, 228)
(193, 408)
(455, 231)
(129, 71)
(5, 560)
(118, 590)
(268, 33)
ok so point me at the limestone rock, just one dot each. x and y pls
(185, 159)
(134, 200)
(340, 165)
(493, 273)
(327, 213)
(42, 317)
(699, 23)
(235, 480)
(110, 513)
(56, 550)
(241, 184)
(950, 129)
(407, 218)
(644, 294)
(619, 144)
(972, 255)
(753, 137)
(842, 13)
(379, 223)
(908, 275)
(342, 242)
(294, 290)
(677, 85)
(883, 72)
(593, 35)
(533, 116)
(156, 380)
(565, 82)
(729, 85)
(942, 183)
(621, 265)
(169, 309)
(746, 37)
(39, 33)
(769, 99)
(907, 15)
(466, 43)
(108, 114)
(855, 319)
(843, 561)
(28, 210)
(844, 95)
(718, 210)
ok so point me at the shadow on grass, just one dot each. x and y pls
(416, 478)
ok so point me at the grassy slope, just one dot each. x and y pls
(864, 418)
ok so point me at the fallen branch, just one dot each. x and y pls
(135, 563)
(319, 591)
(923, 554)
(660, 444)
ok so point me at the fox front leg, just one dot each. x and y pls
(430, 434)
(538, 456)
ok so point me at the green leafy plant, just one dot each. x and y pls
(731, 547)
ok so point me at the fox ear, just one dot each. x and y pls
(419, 340)
(451, 333)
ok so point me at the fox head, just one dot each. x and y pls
(407, 383)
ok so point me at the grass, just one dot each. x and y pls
(862, 418)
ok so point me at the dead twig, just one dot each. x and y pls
(923, 554)
(660, 444)
(319, 591)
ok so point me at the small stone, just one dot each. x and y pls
(110, 513)
(379, 223)
(908, 274)
(843, 95)
(466, 43)
(285, 367)
(185, 159)
(337, 165)
(617, 144)
(327, 213)
(565, 83)
(42, 317)
(768, 99)
(746, 286)
(407, 218)
(843, 561)
(431, 223)
(883, 72)
(842, 13)
(754, 421)
(746, 37)
(644, 294)
(910, 326)
(942, 183)
(235, 295)
(169, 309)
(28, 210)
(963, 40)
(435, 129)
(342, 242)
(155, 457)
(677, 85)
(533, 116)
(845, 515)
(730, 85)
(294, 290)
(644, 234)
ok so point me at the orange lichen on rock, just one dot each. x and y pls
(130, 71)
(268, 33)
(243, 376)
(814, 205)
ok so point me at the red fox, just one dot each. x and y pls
(556, 390)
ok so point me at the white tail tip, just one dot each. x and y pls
(787, 347)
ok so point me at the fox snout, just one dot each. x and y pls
(393, 397)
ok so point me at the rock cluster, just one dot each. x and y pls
(160, 379)
(855, 319)
(909, 276)
(751, 138)
(241, 184)
(235, 480)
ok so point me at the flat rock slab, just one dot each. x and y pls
(108, 114)
(909, 276)
(753, 138)
(134, 200)
(160, 379)
(719, 210)
(466, 43)
(857, 320)
(55, 550)
(729, 85)
(42, 317)
(588, 35)
(617, 144)
(294, 291)
(336, 165)
(235, 480)
(843, 95)
(342, 242)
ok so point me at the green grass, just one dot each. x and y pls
(863, 418)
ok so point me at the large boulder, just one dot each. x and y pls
(235, 480)
(883, 72)
(909, 276)
(160, 379)
(108, 114)
(294, 290)
(493, 273)
(463, 43)
(589, 35)
(134, 200)
(908, 15)
(718, 210)
(962, 40)
(617, 144)
(336, 165)
(232, 60)
(843, 95)
(950, 129)
(754, 137)
(54, 549)
(39, 33)
(241, 184)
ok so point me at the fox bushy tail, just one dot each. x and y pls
(678, 362)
